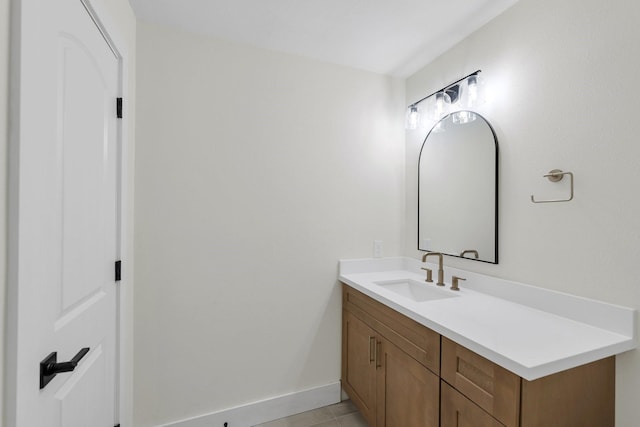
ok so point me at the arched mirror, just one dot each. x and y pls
(458, 188)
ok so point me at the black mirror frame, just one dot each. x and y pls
(495, 139)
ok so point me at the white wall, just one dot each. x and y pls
(564, 78)
(4, 78)
(255, 172)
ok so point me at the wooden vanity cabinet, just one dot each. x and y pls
(386, 361)
(578, 397)
(402, 374)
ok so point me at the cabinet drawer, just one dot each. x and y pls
(458, 411)
(418, 341)
(493, 388)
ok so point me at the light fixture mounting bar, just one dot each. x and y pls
(475, 73)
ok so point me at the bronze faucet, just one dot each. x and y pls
(440, 268)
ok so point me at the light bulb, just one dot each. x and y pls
(474, 91)
(442, 99)
(412, 118)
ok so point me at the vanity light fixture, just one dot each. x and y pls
(466, 92)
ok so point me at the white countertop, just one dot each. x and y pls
(530, 331)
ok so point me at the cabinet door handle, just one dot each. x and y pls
(372, 343)
(378, 357)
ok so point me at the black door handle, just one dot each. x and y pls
(49, 367)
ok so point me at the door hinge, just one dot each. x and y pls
(118, 270)
(119, 108)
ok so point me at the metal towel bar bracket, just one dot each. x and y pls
(556, 175)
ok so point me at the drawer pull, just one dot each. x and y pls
(372, 343)
(378, 357)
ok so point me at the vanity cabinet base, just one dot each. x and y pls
(402, 374)
(391, 388)
(579, 397)
(390, 364)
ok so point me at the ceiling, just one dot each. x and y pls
(395, 37)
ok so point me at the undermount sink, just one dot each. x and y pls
(415, 291)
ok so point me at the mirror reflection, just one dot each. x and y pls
(457, 188)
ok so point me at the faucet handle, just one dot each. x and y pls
(429, 278)
(454, 283)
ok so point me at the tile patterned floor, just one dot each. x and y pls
(343, 414)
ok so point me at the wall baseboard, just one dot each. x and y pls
(266, 410)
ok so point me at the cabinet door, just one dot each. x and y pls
(408, 393)
(358, 364)
(458, 411)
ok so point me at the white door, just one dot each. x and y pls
(63, 218)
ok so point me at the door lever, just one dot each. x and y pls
(49, 367)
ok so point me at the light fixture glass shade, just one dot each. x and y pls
(474, 95)
(413, 117)
(438, 106)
